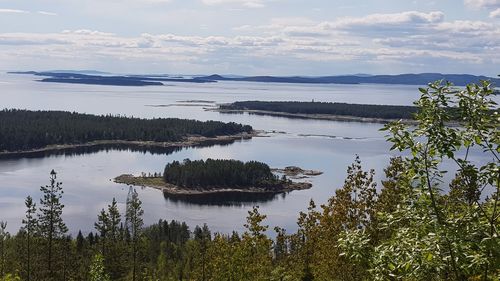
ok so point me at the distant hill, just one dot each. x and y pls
(113, 80)
(83, 77)
(403, 79)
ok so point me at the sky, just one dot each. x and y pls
(252, 37)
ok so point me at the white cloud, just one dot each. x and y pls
(408, 39)
(246, 3)
(45, 13)
(483, 3)
(13, 11)
(495, 13)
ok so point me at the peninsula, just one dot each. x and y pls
(24, 131)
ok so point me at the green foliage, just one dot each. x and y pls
(26, 130)
(431, 234)
(343, 109)
(51, 225)
(97, 271)
(220, 173)
(414, 227)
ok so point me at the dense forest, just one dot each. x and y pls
(220, 173)
(344, 109)
(25, 130)
(414, 226)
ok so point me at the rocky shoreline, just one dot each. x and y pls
(329, 117)
(159, 183)
(187, 142)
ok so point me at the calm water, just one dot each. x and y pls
(86, 175)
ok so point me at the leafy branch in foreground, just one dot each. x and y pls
(431, 233)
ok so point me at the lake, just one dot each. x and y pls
(328, 146)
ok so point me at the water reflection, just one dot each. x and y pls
(227, 199)
(94, 149)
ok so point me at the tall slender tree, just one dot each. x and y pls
(102, 227)
(29, 227)
(3, 236)
(135, 223)
(114, 220)
(51, 224)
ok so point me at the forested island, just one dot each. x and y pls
(215, 176)
(401, 79)
(412, 225)
(109, 80)
(323, 110)
(97, 78)
(24, 131)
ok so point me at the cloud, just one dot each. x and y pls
(407, 40)
(245, 3)
(46, 13)
(483, 3)
(495, 13)
(13, 11)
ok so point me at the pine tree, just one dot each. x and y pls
(3, 236)
(135, 223)
(51, 224)
(102, 227)
(29, 227)
(114, 220)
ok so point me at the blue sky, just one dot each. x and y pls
(252, 37)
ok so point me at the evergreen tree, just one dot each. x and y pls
(30, 224)
(135, 223)
(102, 227)
(3, 237)
(51, 225)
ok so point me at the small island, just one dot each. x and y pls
(215, 176)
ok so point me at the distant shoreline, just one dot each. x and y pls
(328, 117)
(188, 142)
(160, 184)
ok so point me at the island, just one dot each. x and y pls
(215, 176)
(25, 131)
(323, 110)
(110, 80)
(100, 78)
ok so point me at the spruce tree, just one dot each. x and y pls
(51, 224)
(29, 227)
(3, 236)
(135, 223)
(102, 227)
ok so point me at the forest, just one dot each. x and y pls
(413, 226)
(343, 109)
(22, 130)
(220, 173)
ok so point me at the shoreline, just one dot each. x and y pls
(187, 142)
(328, 117)
(158, 183)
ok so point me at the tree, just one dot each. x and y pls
(431, 233)
(97, 271)
(51, 224)
(29, 227)
(135, 223)
(101, 226)
(3, 236)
